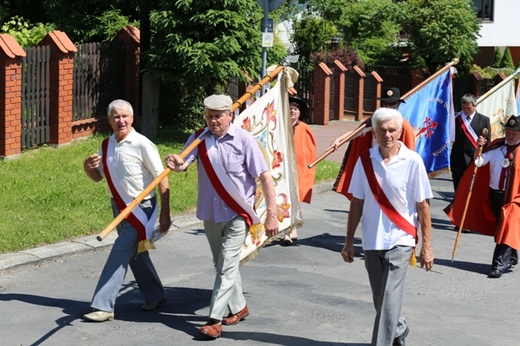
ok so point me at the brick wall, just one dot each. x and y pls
(62, 128)
(11, 55)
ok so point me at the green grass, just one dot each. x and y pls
(326, 170)
(48, 198)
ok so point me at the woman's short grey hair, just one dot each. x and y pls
(384, 114)
(119, 104)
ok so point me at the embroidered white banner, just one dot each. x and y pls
(268, 119)
(499, 106)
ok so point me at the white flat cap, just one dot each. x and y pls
(218, 102)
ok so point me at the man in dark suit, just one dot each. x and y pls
(469, 125)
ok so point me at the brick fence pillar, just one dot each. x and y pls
(61, 86)
(476, 84)
(11, 54)
(339, 90)
(321, 94)
(360, 86)
(377, 90)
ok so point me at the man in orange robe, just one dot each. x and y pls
(494, 203)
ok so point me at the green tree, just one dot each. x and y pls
(507, 60)
(196, 45)
(441, 30)
(432, 31)
(370, 27)
(277, 53)
(312, 35)
(82, 20)
(497, 58)
(32, 11)
(204, 43)
(200, 45)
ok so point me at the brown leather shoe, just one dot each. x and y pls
(212, 329)
(231, 319)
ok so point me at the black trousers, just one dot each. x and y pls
(504, 256)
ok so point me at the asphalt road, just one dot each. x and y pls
(298, 295)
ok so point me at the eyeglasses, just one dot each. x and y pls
(218, 116)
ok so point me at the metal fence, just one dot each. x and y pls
(99, 74)
(351, 92)
(393, 76)
(370, 93)
(35, 97)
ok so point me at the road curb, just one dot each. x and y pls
(89, 243)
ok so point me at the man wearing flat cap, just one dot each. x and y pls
(229, 161)
(494, 203)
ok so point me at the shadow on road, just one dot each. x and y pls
(479, 268)
(71, 309)
(285, 340)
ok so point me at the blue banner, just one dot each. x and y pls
(429, 111)
(518, 103)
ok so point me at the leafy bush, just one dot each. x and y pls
(347, 56)
(490, 72)
(25, 33)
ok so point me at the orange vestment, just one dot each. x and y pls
(479, 216)
(305, 149)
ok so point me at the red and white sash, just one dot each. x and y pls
(386, 206)
(137, 218)
(468, 130)
(225, 188)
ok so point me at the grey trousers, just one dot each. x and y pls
(226, 240)
(122, 255)
(387, 272)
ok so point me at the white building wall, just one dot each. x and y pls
(503, 30)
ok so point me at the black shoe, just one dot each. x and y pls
(495, 273)
(399, 341)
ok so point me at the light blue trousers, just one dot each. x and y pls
(122, 255)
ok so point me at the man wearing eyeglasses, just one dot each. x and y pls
(229, 161)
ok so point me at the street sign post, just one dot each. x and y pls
(267, 33)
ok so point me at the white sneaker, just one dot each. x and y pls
(99, 316)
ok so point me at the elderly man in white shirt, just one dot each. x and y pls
(390, 189)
